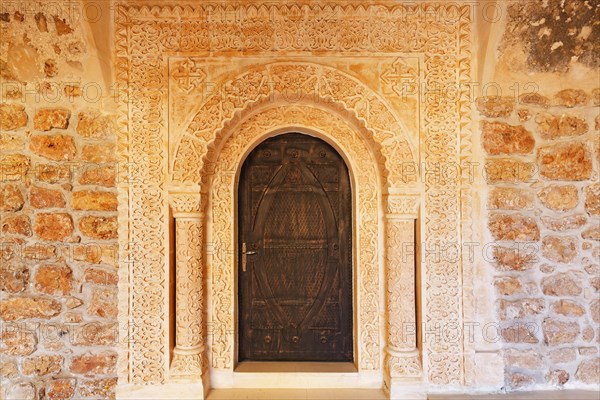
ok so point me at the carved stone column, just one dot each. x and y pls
(402, 355)
(187, 363)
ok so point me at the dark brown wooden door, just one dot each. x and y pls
(295, 261)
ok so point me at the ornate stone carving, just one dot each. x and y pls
(282, 81)
(235, 142)
(403, 205)
(189, 299)
(402, 76)
(186, 203)
(402, 358)
(145, 35)
(189, 73)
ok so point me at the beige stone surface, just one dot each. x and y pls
(514, 258)
(528, 359)
(92, 124)
(14, 276)
(17, 342)
(42, 365)
(12, 117)
(94, 364)
(508, 285)
(54, 279)
(54, 147)
(559, 197)
(102, 176)
(94, 201)
(589, 371)
(565, 162)
(17, 308)
(177, 88)
(508, 198)
(592, 199)
(566, 223)
(559, 332)
(561, 249)
(495, 106)
(568, 308)
(559, 126)
(561, 284)
(49, 118)
(102, 228)
(11, 198)
(16, 225)
(53, 226)
(513, 227)
(500, 138)
(41, 197)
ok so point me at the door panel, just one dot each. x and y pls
(295, 262)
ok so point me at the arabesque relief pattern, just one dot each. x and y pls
(145, 35)
(223, 195)
(189, 298)
(303, 79)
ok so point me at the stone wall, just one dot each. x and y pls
(540, 140)
(58, 205)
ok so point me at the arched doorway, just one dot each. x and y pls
(295, 252)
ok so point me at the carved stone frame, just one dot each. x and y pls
(147, 36)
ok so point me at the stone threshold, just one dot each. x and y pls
(292, 366)
(370, 394)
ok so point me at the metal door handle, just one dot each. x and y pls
(244, 256)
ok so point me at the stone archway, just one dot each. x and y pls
(277, 82)
(215, 207)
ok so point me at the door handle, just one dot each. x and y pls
(244, 256)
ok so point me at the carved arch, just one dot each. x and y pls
(237, 142)
(290, 83)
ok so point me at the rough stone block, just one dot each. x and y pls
(94, 364)
(11, 198)
(559, 126)
(495, 106)
(101, 176)
(513, 227)
(561, 249)
(49, 118)
(559, 198)
(94, 201)
(53, 226)
(103, 228)
(16, 225)
(501, 138)
(40, 197)
(571, 98)
(559, 332)
(54, 147)
(12, 117)
(561, 284)
(54, 279)
(565, 162)
(592, 199)
(505, 198)
(17, 308)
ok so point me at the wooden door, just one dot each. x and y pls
(295, 261)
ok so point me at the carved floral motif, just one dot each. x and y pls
(144, 34)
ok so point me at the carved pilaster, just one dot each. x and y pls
(187, 361)
(402, 356)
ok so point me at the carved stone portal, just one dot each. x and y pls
(197, 92)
